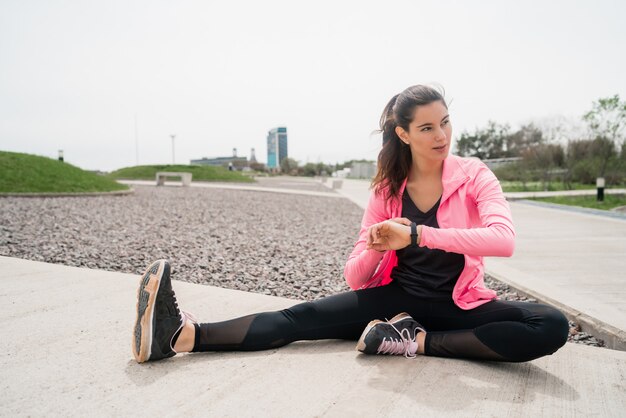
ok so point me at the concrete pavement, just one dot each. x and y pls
(585, 192)
(66, 352)
(300, 187)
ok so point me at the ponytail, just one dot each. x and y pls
(387, 121)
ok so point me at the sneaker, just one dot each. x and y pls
(158, 318)
(395, 336)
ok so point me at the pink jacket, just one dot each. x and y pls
(474, 219)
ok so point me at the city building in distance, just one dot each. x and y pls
(233, 162)
(276, 147)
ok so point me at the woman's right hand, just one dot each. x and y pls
(393, 234)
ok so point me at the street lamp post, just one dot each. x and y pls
(600, 189)
(173, 157)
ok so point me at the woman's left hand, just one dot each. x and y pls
(393, 234)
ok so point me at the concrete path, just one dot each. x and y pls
(532, 195)
(302, 187)
(66, 352)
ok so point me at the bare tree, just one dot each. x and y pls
(607, 123)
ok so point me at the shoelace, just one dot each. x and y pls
(188, 316)
(404, 345)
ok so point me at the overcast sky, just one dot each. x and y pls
(74, 75)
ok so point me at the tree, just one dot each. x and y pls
(558, 128)
(527, 137)
(288, 165)
(545, 159)
(256, 166)
(348, 164)
(484, 143)
(309, 170)
(607, 123)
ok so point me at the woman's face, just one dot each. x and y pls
(430, 132)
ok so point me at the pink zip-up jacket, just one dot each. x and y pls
(474, 219)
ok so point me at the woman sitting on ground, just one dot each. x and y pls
(430, 220)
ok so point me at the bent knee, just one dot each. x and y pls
(554, 328)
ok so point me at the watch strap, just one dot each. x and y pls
(413, 234)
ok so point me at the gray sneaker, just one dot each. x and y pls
(158, 316)
(395, 336)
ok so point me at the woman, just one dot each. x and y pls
(418, 260)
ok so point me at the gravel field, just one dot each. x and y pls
(283, 245)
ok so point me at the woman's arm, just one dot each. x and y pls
(362, 262)
(495, 238)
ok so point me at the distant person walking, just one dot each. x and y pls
(430, 220)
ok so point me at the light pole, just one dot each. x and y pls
(136, 142)
(173, 158)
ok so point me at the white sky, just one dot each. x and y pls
(73, 74)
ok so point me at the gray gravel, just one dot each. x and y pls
(283, 245)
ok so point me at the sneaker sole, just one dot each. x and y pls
(360, 346)
(146, 295)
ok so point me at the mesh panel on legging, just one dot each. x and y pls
(511, 331)
(459, 344)
(342, 316)
(226, 335)
(269, 330)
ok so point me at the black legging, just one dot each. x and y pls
(497, 330)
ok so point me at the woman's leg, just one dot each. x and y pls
(507, 331)
(162, 329)
(497, 330)
(342, 316)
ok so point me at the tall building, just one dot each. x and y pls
(276, 147)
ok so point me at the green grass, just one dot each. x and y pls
(535, 186)
(610, 201)
(199, 173)
(25, 173)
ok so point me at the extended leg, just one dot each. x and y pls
(342, 316)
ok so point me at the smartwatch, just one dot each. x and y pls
(413, 234)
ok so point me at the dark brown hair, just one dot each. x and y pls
(394, 159)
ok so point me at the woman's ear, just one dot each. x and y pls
(402, 134)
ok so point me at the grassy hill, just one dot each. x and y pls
(199, 173)
(25, 173)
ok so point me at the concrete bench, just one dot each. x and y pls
(162, 175)
(337, 184)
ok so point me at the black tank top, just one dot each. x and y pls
(429, 274)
